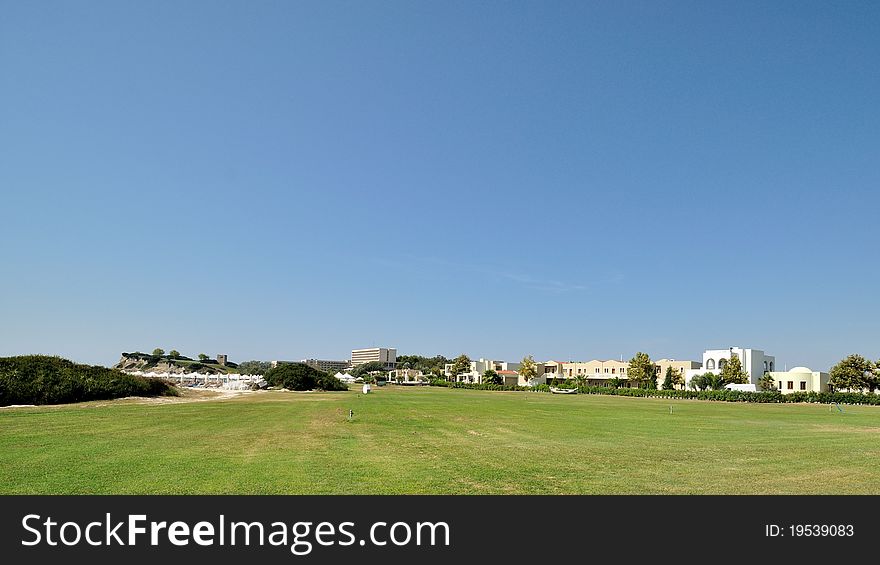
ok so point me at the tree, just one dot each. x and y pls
(642, 371)
(491, 377)
(203, 357)
(732, 372)
(767, 383)
(706, 381)
(299, 376)
(714, 381)
(158, 352)
(698, 382)
(854, 373)
(174, 354)
(528, 369)
(433, 365)
(614, 382)
(672, 379)
(460, 365)
(367, 368)
(253, 367)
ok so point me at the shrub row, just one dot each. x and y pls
(489, 386)
(39, 379)
(741, 396)
(298, 376)
(716, 395)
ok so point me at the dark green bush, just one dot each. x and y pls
(723, 395)
(40, 379)
(299, 376)
(329, 383)
(484, 386)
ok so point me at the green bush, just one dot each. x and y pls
(329, 382)
(722, 395)
(299, 376)
(485, 386)
(40, 379)
(725, 395)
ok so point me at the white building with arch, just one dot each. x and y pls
(754, 362)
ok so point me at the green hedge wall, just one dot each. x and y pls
(716, 395)
(40, 379)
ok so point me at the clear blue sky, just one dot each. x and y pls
(568, 180)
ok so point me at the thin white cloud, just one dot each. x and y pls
(526, 280)
(546, 285)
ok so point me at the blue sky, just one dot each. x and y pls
(569, 180)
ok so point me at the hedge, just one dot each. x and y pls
(40, 379)
(489, 386)
(715, 395)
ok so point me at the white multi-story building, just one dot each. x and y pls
(475, 375)
(386, 356)
(754, 362)
(326, 365)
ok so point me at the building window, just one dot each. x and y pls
(613, 370)
(780, 385)
(765, 366)
(790, 385)
(771, 365)
(722, 363)
(710, 364)
(803, 385)
(606, 370)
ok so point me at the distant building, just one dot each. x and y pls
(800, 379)
(754, 362)
(598, 372)
(595, 372)
(386, 356)
(221, 359)
(509, 378)
(327, 366)
(475, 374)
(407, 376)
(681, 366)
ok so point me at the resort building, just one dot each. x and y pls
(800, 379)
(595, 372)
(386, 356)
(407, 376)
(475, 375)
(326, 366)
(509, 378)
(598, 372)
(681, 366)
(754, 362)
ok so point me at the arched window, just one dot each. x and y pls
(765, 365)
(771, 365)
(710, 364)
(722, 363)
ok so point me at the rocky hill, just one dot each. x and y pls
(149, 363)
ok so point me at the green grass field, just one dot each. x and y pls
(435, 440)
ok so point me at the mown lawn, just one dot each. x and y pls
(434, 440)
